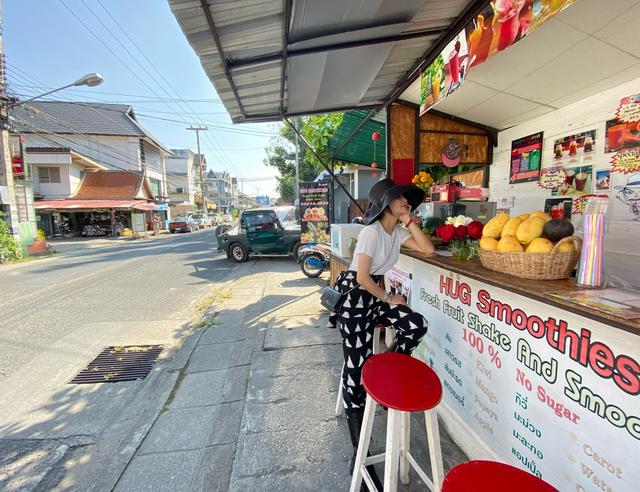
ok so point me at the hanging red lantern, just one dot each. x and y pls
(375, 136)
(374, 165)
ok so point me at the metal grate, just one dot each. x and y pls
(119, 363)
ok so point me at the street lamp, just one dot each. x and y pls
(90, 80)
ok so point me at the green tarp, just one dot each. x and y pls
(360, 149)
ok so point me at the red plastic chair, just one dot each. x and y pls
(491, 476)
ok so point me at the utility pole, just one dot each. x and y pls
(199, 129)
(6, 169)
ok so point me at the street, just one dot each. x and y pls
(57, 314)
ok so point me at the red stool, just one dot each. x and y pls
(491, 476)
(404, 385)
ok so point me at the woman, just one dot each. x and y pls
(366, 304)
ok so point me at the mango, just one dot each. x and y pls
(509, 244)
(523, 217)
(488, 243)
(567, 247)
(539, 245)
(511, 226)
(530, 229)
(541, 214)
(493, 228)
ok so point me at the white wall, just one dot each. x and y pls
(75, 177)
(623, 257)
(52, 191)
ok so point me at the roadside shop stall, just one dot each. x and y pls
(512, 108)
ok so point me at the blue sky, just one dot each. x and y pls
(47, 47)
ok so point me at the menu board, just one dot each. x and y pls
(547, 390)
(526, 153)
(314, 212)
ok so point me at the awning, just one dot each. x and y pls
(93, 204)
(358, 148)
(273, 58)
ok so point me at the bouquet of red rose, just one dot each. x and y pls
(461, 234)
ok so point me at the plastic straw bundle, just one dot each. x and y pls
(591, 264)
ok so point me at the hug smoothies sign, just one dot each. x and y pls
(549, 391)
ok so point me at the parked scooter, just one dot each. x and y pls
(314, 258)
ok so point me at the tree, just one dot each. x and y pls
(318, 131)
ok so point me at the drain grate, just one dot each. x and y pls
(119, 363)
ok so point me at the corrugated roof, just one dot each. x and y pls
(341, 54)
(64, 117)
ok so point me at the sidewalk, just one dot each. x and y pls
(253, 405)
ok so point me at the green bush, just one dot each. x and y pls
(9, 248)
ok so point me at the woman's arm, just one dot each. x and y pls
(418, 241)
(366, 282)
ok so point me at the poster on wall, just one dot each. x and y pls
(552, 178)
(623, 136)
(526, 154)
(498, 26)
(314, 212)
(580, 202)
(603, 180)
(527, 379)
(574, 149)
(625, 193)
(579, 181)
(398, 282)
(559, 208)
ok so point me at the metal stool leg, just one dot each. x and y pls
(359, 466)
(435, 451)
(389, 335)
(405, 440)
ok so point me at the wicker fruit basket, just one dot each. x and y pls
(537, 266)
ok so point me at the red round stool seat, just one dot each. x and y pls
(491, 476)
(401, 382)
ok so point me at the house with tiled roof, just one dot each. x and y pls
(106, 134)
(71, 144)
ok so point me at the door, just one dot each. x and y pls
(264, 232)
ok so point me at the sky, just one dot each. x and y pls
(46, 47)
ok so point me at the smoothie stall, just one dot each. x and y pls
(543, 373)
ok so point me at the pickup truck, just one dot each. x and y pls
(261, 231)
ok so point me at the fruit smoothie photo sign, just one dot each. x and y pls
(526, 155)
(314, 212)
(501, 24)
(623, 136)
(547, 390)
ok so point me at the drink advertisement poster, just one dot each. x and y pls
(578, 181)
(314, 212)
(574, 149)
(526, 155)
(547, 390)
(398, 282)
(501, 24)
(623, 136)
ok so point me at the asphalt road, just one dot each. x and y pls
(46, 300)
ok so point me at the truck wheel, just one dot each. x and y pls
(238, 253)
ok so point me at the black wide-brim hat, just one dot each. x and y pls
(384, 192)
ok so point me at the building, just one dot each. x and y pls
(105, 203)
(184, 180)
(68, 138)
(219, 190)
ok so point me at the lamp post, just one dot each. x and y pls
(90, 80)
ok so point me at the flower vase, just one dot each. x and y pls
(459, 249)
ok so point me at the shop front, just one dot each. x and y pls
(520, 108)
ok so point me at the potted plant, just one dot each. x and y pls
(423, 180)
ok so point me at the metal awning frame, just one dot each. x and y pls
(228, 64)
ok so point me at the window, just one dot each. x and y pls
(142, 156)
(49, 174)
(154, 184)
(259, 221)
(179, 190)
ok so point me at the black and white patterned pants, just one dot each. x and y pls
(356, 320)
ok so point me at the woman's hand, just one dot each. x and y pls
(396, 299)
(405, 218)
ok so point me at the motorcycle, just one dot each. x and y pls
(314, 258)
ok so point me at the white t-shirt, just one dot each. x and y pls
(382, 247)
